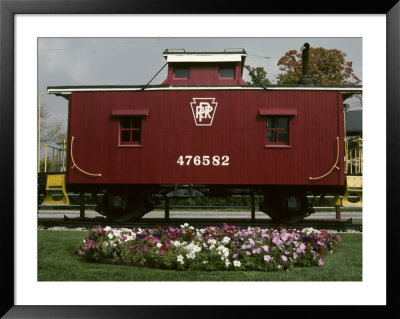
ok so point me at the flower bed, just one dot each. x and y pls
(212, 248)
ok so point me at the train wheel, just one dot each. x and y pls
(127, 206)
(286, 207)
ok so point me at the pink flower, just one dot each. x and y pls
(277, 241)
(264, 234)
(266, 248)
(284, 235)
(267, 258)
(248, 253)
(234, 256)
(301, 248)
(284, 258)
(320, 262)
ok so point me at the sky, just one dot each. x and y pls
(134, 61)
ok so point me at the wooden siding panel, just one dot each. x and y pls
(238, 131)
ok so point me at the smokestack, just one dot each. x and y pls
(305, 79)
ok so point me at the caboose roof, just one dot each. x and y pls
(236, 55)
(65, 91)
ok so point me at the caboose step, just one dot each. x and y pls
(353, 186)
(54, 189)
(55, 185)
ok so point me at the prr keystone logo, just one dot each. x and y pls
(203, 109)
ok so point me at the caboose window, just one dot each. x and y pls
(131, 130)
(278, 130)
(226, 72)
(181, 72)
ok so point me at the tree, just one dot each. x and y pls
(326, 67)
(52, 131)
(53, 134)
(258, 75)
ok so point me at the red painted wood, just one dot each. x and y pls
(130, 112)
(205, 74)
(278, 111)
(238, 131)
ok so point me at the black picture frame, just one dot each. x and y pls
(8, 10)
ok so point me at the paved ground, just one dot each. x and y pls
(195, 214)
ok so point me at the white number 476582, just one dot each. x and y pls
(205, 160)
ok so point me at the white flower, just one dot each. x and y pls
(222, 250)
(225, 240)
(159, 245)
(116, 233)
(212, 247)
(192, 249)
(227, 263)
(191, 255)
(310, 230)
(108, 228)
(236, 263)
(180, 259)
(110, 235)
(176, 243)
(212, 241)
(185, 225)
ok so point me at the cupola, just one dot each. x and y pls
(205, 68)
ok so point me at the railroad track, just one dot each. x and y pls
(77, 222)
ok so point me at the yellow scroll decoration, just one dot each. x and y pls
(79, 169)
(334, 165)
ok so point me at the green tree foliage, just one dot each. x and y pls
(258, 75)
(326, 67)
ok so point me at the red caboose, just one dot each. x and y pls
(204, 131)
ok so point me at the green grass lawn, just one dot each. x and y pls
(57, 262)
